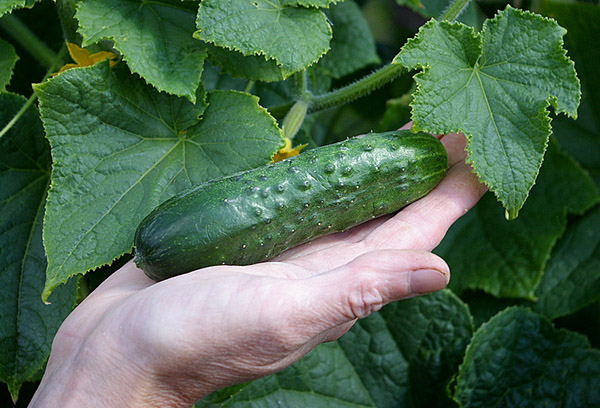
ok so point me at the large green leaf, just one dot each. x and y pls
(495, 87)
(507, 258)
(124, 148)
(8, 59)
(155, 39)
(518, 359)
(581, 138)
(403, 356)
(27, 325)
(6, 6)
(582, 22)
(352, 46)
(572, 277)
(295, 37)
(432, 332)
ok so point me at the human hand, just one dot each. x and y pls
(135, 342)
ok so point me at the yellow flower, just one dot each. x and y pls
(287, 151)
(82, 57)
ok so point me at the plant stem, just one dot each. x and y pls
(357, 89)
(24, 36)
(18, 115)
(454, 9)
(301, 85)
(53, 67)
(249, 86)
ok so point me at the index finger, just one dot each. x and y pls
(420, 226)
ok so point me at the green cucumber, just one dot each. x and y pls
(255, 215)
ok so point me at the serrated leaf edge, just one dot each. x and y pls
(527, 310)
(286, 73)
(117, 45)
(543, 110)
(51, 284)
(236, 74)
(16, 58)
(14, 7)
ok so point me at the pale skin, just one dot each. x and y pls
(137, 343)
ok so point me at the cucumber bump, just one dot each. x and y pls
(255, 215)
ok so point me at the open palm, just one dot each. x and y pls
(166, 344)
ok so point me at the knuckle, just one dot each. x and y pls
(364, 297)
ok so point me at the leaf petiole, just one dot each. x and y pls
(249, 86)
(57, 61)
(302, 85)
(357, 89)
(27, 38)
(454, 10)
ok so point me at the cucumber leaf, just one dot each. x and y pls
(124, 149)
(495, 87)
(381, 359)
(251, 67)
(295, 37)
(507, 259)
(6, 6)
(27, 325)
(582, 22)
(519, 359)
(8, 59)
(581, 138)
(352, 46)
(155, 39)
(572, 278)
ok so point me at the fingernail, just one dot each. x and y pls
(426, 281)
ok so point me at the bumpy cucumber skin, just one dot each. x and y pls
(255, 215)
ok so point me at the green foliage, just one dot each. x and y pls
(201, 90)
(140, 147)
(27, 325)
(352, 46)
(519, 359)
(404, 356)
(7, 6)
(8, 59)
(512, 267)
(276, 29)
(572, 277)
(155, 39)
(581, 138)
(495, 87)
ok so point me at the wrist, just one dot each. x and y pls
(100, 377)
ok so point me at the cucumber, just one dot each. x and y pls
(255, 215)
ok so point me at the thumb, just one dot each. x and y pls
(370, 281)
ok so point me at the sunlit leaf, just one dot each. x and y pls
(495, 87)
(125, 148)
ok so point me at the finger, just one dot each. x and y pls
(333, 299)
(424, 223)
(128, 279)
(454, 144)
(420, 226)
